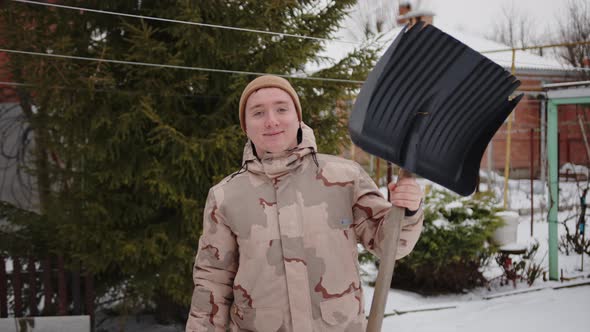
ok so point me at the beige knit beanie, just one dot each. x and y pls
(267, 81)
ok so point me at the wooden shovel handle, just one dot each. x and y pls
(392, 231)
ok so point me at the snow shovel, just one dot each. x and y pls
(431, 105)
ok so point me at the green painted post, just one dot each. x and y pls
(552, 145)
(571, 101)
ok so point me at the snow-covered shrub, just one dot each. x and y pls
(453, 247)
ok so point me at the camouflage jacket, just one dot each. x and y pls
(279, 244)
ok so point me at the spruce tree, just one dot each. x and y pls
(124, 155)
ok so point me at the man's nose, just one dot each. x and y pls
(271, 120)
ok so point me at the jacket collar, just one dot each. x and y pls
(280, 163)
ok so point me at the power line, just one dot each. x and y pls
(540, 66)
(15, 84)
(543, 66)
(110, 90)
(153, 18)
(115, 90)
(540, 47)
(146, 64)
(526, 48)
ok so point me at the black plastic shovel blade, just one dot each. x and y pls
(431, 105)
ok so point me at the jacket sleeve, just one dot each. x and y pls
(371, 210)
(214, 270)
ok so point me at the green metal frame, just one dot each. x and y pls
(552, 146)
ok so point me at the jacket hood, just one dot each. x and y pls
(277, 164)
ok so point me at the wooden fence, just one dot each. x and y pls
(44, 288)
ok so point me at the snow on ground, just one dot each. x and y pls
(546, 309)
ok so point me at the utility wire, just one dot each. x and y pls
(156, 65)
(534, 47)
(280, 33)
(267, 32)
(538, 65)
(111, 90)
(146, 64)
(15, 84)
(119, 91)
(152, 18)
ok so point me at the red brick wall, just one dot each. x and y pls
(7, 92)
(571, 143)
(524, 118)
(527, 117)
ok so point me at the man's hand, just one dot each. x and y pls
(406, 193)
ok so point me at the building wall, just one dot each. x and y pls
(526, 118)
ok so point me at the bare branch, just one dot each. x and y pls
(514, 28)
(575, 27)
(370, 17)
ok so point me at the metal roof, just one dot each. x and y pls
(526, 61)
(567, 90)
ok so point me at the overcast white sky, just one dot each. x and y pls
(478, 16)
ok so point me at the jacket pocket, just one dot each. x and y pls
(340, 310)
(256, 319)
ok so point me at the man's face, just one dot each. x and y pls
(271, 120)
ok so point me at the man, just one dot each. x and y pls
(279, 244)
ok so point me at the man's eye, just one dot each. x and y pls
(257, 113)
(282, 110)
